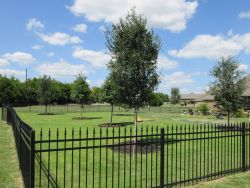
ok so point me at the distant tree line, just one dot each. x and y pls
(46, 90)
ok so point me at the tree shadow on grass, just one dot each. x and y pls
(123, 114)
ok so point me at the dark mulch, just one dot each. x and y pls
(115, 125)
(228, 128)
(140, 147)
(48, 114)
(85, 118)
(123, 114)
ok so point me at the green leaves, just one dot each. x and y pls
(134, 51)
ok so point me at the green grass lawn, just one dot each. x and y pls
(9, 168)
(100, 160)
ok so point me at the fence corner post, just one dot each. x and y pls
(162, 159)
(32, 159)
(243, 154)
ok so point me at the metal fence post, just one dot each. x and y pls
(32, 159)
(162, 159)
(243, 154)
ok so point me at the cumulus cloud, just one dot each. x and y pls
(59, 38)
(50, 54)
(19, 57)
(165, 63)
(214, 46)
(178, 79)
(244, 15)
(34, 24)
(166, 14)
(61, 69)
(97, 59)
(208, 46)
(81, 28)
(243, 67)
(12, 72)
(4, 62)
(37, 47)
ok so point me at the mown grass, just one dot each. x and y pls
(96, 161)
(10, 176)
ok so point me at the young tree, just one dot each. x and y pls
(110, 94)
(134, 51)
(46, 91)
(81, 91)
(96, 95)
(175, 96)
(229, 85)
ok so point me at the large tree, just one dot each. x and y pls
(46, 91)
(110, 94)
(228, 85)
(134, 51)
(175, 96)
(81, 91)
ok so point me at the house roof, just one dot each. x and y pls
(197, 97)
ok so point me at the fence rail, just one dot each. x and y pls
(72, 108)
(128, 157)
(25, 144)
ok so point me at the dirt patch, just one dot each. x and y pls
(115, 125)
(48, 114)
(141, 147)
(123, 114)
(85, 118)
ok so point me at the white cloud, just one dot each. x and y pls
(244, 15)
(165, 14)
(82, 28)
(243, 67)
(59, 38)
(34, 24)
(177, 79)
(19, 57)
(37, 47)
(210, 47)
(61, 69)
(4, 62)
(165, 63)
(243, 40)
(12, 72)
(96, 58)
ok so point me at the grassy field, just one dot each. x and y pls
(9, 168)
(96, 160)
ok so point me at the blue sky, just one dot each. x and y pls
(62, 38)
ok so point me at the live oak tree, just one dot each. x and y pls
(175, 96)
(110, 94)
(81, 91)
(46, 91)
(134, 51)
(228, 85)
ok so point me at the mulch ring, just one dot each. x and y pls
(115, 125)
(45, 114)
(85, 118)
(228, 128)
(123, 114)
(141, 147)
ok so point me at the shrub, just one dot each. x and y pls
(203, 108)
(240, 114)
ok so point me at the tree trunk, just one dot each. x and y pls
(81, 110)
(111, 115)
(135, 129)
(46, 109)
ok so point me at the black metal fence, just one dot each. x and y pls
(25, 144)
(125, 157)
(73, 108)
